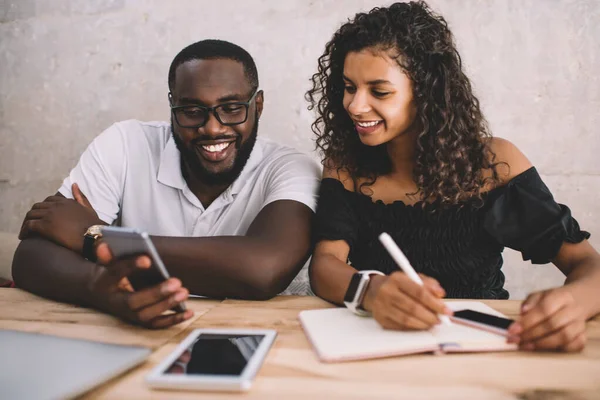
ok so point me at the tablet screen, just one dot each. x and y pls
(216, 354)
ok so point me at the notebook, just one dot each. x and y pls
(337, 334)
(36, 366)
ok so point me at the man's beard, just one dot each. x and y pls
(210, 178)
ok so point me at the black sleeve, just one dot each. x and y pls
(524, 216)
(335, 218)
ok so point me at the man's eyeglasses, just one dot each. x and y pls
(195, 116)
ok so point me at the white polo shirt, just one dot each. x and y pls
(132, 171)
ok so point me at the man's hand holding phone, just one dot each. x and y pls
(144, 307)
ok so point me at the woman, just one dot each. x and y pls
(407, 151)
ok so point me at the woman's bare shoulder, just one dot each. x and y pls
(509, 160)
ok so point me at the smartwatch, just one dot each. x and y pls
(89, 242)
(356, 291)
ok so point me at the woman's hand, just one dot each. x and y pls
(397, 302)
(550, 320)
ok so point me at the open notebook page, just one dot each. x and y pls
(339, 335)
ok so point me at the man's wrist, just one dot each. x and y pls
(374, 284)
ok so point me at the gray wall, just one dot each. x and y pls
(70, 68)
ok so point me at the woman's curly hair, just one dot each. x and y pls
(452, 143)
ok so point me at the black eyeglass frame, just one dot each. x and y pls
(213, 110)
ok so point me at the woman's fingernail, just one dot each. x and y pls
(525, 307)
(188, 314)
(448, 311)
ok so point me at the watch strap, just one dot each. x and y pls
(355, 305)
(89, 248)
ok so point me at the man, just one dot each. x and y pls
(228, 213)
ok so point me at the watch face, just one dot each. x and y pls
(351, 292)
(94, 230)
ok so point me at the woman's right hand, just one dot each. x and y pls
(397, 302)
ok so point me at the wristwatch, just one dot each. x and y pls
(89, 242)
(356, 291)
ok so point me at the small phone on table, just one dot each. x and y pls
(214, 359)
(488, 322)
(127, 242)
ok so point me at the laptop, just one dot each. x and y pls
(36, 366)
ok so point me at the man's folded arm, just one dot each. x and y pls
(262, 263)
(52, 271)
(257, 266)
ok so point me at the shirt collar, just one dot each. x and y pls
(169, 171)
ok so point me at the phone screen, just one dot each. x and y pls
(481, 318)
(216, 354)
(127, 242)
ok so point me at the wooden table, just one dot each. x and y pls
(292, 370)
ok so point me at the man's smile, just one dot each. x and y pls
(215, 152)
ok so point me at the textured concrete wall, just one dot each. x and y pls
(70, 68)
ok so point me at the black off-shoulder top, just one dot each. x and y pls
(459, 245)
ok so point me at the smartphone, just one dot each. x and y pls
(214, 359)
(126, 242)
(483, 321)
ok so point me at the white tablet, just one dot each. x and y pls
(214, 359)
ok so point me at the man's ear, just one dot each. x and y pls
(170, 95)
(260, 100)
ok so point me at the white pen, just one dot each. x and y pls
(400, 259)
